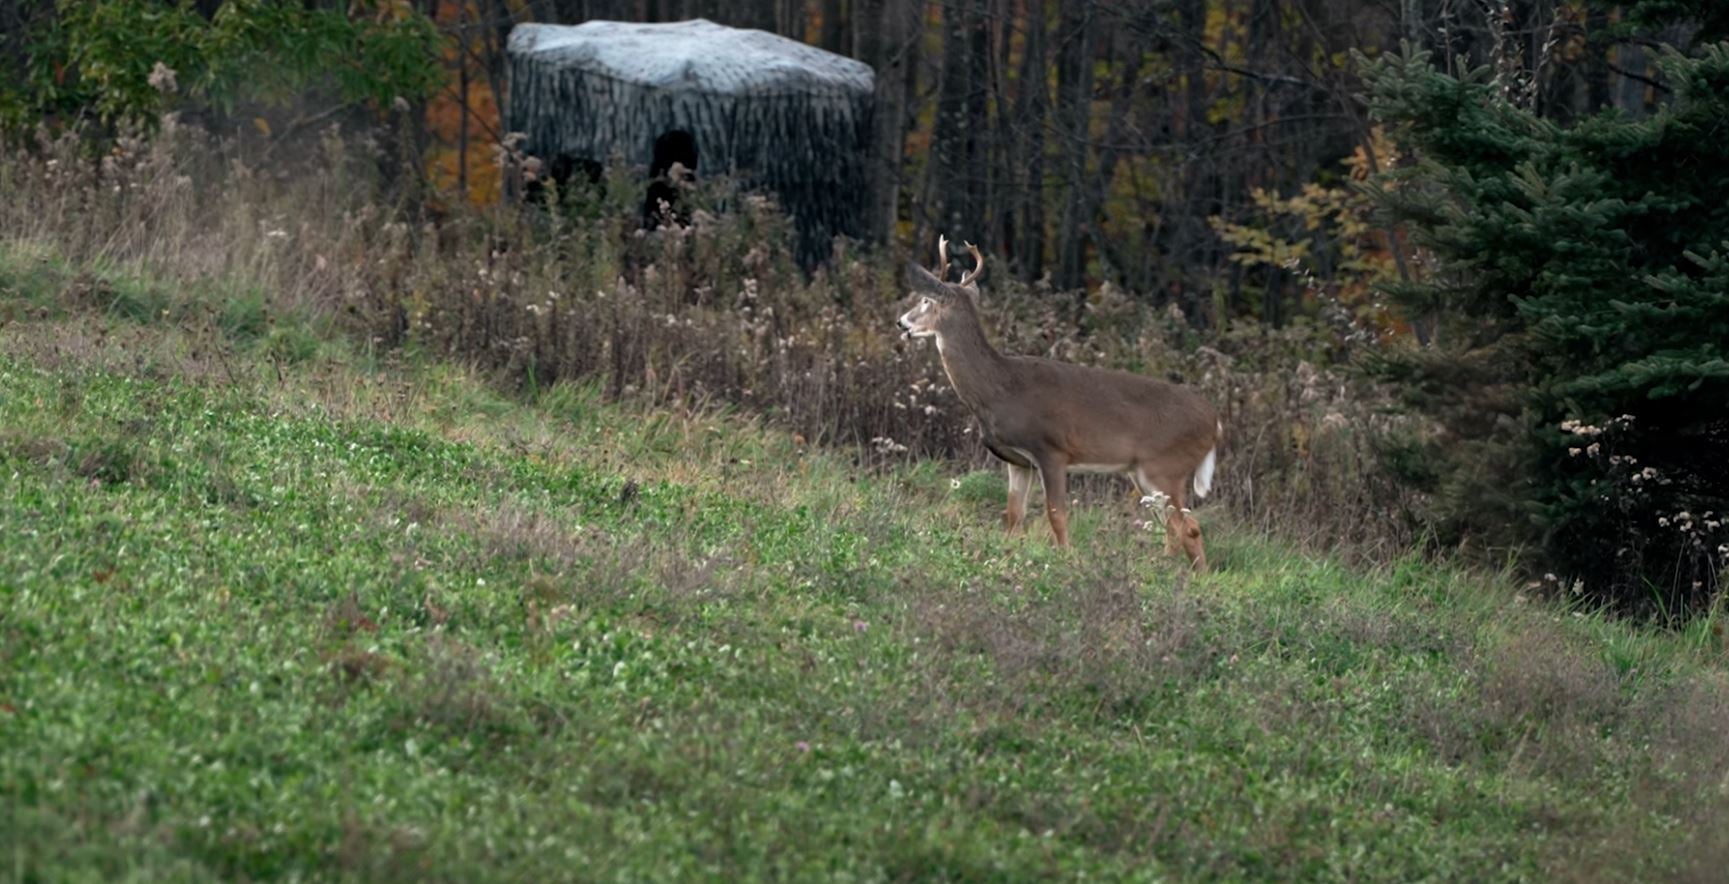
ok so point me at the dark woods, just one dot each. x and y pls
(1107, 139)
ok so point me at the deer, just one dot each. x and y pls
(1049, 418)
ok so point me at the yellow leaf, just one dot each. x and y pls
(262, 125)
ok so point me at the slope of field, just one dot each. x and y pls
(271, 607)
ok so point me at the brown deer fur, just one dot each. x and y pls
(1049, 417)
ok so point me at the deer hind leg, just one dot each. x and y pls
(1054, 474)
(1020, 487)
(1182, 532)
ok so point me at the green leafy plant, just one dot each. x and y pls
(1577, 280)
(128, 61)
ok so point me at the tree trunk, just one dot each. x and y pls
(1193, 199)
(1273, 298)
(1030, 115)
(1596, 59)
(1075, 85)
(949, 185)
(790, 19)
(918, 18)
(1631, 96)
(867, 41)
(889, 51)
(763, 15)
(833, 36)
(462, 100)
(490, 50)
(1116, 133)
(978, 172)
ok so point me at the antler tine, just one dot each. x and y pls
(972, 275)
(943, 258)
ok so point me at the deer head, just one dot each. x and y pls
(941, 304)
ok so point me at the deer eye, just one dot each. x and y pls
(927, 303)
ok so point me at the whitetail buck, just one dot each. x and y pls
(1049, 417)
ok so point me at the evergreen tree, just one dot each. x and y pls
(1578, 282)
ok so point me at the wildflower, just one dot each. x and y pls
(955, 484)
(802, 746)
(1574, 452)
(163, 80)
(885, 445)
(860, 626)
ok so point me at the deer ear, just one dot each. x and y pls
(921, 280)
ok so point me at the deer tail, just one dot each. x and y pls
(1204, 475)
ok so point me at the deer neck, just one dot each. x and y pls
(975, 369)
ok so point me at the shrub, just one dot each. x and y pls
(130, 61)
(1582, 300)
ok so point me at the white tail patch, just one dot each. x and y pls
(1204, 475)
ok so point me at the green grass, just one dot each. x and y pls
(270, 608)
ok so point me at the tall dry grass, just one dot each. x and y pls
(712, 314)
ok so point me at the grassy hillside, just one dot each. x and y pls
(271, 606)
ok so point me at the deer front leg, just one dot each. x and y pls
(1183, 532)
(1020, 486)
(1054, 473)
(1189, 536)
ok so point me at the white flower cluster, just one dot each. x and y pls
(885, 445)
(1687, 524)
(1580, 428)
(920, 388)
(1648, 474)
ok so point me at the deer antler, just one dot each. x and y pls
(943, 258)
(972, 275)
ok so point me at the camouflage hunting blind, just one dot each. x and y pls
(774, 113)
